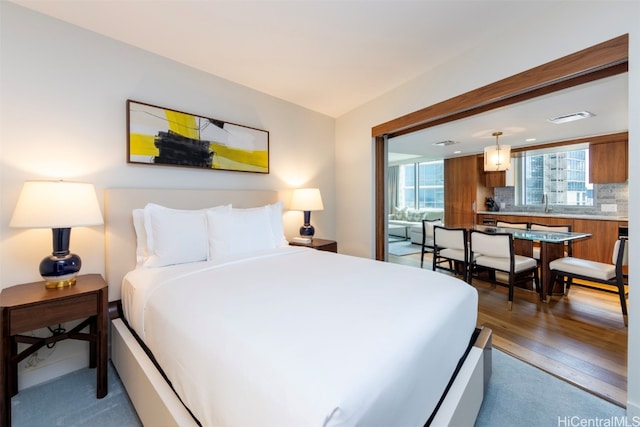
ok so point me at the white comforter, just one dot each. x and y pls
(299, 337)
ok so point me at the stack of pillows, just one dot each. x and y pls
(168, 236)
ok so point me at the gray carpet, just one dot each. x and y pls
(70, 401)
(518, 395)
(404, 247)
(521, 395)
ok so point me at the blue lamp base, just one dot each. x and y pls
(307, 229)
(61, 267)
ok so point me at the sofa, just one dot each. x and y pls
(406, 223)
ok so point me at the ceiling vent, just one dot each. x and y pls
(571, 117)
(445, 143)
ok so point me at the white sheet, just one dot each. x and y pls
(298, 337)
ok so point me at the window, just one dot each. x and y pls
(560, 173)
(422, 185)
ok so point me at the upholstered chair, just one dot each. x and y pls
(427, 236)
(495, 252)
(450, 250)
(570, 268)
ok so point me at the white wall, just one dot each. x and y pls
(62, 115)
(563, 29)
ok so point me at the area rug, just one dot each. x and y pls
(522, 395)
(70, 401)
(518, 395)
(404, 247)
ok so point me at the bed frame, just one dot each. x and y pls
(153, 398)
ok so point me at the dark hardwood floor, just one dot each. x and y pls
(580, 338)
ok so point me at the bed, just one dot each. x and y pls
(292, 336)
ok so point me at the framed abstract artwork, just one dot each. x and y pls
(162, 136)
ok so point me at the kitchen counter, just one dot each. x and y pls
(557, 215)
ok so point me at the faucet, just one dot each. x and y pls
(545, 201)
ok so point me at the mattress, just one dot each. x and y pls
(299, 337)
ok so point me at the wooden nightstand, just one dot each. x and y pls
(31, 306)
(319, 244)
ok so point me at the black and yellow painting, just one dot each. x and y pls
(161, 136)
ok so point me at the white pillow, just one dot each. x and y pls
(176, 236)
(239, 231)
(277, 229)
(141, 237)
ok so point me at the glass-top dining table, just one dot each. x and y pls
(552, 246)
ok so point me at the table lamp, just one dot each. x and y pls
(58, 205)
(306, 200)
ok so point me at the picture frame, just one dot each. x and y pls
(163, 136)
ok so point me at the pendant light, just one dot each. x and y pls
(497, 157)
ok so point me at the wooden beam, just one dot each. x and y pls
(596, 62)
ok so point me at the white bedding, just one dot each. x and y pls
(299, 337)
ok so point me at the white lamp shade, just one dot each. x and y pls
(497, 158)
(306, 199)
(56, 204)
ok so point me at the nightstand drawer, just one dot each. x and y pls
(329, 247)
(32, 317)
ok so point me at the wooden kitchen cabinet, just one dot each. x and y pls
(465, 185)
(495, 179)
(599, 247)
(608, 162)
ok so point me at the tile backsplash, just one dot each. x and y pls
(610, 200)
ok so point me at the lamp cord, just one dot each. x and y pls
(55, 331)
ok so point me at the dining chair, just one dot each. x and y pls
(518, 225)
(495, 252)
(544, 227)
(450, 247)
(570, 268)
(427, 236)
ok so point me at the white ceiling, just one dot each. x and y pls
(328, 56)
(332, 56)
(607, 99)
